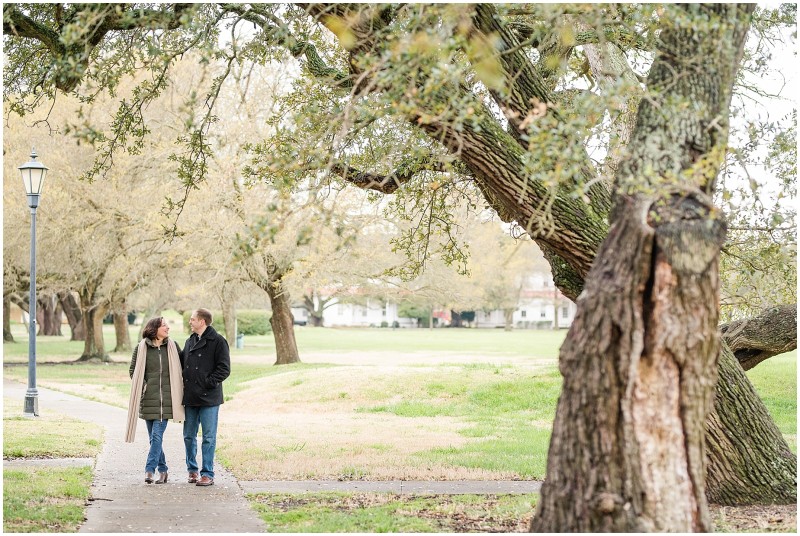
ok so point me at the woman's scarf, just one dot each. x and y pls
(137, 381)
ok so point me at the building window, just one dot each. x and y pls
(565, 312)
(542, 312)
(524, 313)
(363, 311)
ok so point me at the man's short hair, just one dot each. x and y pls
(205, 314)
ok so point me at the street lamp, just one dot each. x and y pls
(33, 174)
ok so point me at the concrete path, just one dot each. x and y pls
(121, 501)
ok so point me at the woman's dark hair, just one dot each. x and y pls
(151, 328)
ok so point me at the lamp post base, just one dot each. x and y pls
(31, 405)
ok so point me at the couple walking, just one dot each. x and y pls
(182, 385)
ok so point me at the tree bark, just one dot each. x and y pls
(762, 470)
(508, 315)
(627, 452)
(282, 322)
(92, 313)
(48, 314)
(71, 306)
(771, 333)
(121, 331)
(315, 312)
(7, 336)
(229, 317)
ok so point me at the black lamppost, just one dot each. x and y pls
(33, 174)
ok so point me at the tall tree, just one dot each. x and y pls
(474, 94)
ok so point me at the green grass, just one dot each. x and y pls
(536, 344)
(509, 408)
(511, 414)
(367, 512)
(51, 435)
(775, 380)
(45, 499)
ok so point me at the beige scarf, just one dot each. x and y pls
(137, 382)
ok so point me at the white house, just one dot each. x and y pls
(540, 306)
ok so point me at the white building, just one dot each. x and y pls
(540, 306)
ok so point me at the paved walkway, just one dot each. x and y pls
(121, 501)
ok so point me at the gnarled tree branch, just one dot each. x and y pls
(754, 340)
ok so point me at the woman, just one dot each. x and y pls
(156, 392)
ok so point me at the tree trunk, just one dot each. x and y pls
(121, 331)
(229, 318)
(556, 303)
(315, 310)
(48, 315)
(640, 360)
(7, 336)
(93, 313)
(455, 319)
(746, 464)
(627, 450)
(753, 340)
(282, 322)
(508, 314)
(71, 306)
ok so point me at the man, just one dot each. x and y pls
(206, 363)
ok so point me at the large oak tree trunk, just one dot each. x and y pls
(749, 464)
(282, 322)
(627, 451)
(640, 360)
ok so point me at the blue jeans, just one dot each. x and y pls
(155, 458)
(196, 417)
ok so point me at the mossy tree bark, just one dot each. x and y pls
(627, 448)
(762, 470)
(640, 360)
(773, 332)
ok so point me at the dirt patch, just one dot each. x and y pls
(485, 516)
(446, 512)
(772, 518)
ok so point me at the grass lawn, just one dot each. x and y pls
(385, 512)
(374, 404)
(378, 403)
(47, 499)
(775, 380)
(535, 344)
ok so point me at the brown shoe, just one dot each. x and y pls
(162, 478)
(205, 481)
(193, 477)
(148, 478)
